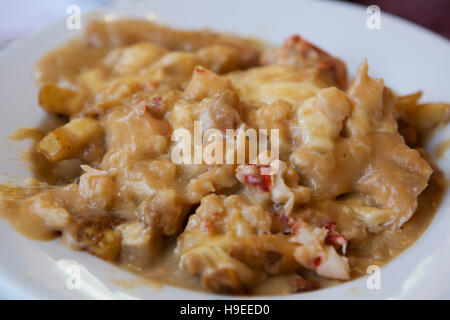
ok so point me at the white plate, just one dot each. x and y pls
(406, 56)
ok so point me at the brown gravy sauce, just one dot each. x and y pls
(18, 217)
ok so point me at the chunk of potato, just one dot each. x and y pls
(55, 99)
(95, 233)
(69, 140)
(225, 281)
(107, 247)
(269, 253)
(140, 244)
(219, 59)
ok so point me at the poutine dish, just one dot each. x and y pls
(353, 187)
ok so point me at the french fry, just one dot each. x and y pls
(108, 245)
(69, 140)
(55, 99)
(423, 116)
(429, 115)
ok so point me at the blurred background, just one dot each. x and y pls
(431, 14)
(20, 17)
